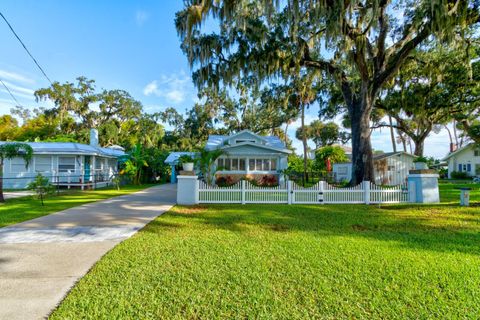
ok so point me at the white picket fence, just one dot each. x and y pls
(291, 193)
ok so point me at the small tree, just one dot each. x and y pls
(12, 150)
(332, 154)
(42, 186)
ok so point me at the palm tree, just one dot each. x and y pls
(12, 150)
(206, 162)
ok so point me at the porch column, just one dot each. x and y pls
(173, 175)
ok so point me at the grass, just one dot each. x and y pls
(29, 207)
(291, 262)
(449, 192)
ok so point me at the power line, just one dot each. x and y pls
(11, 94)
(25, 47)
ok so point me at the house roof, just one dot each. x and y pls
(391, 154)
(173, 157)
(216, 141)
(383, 156)
(72, 148)
(256, 145)
(451, 154)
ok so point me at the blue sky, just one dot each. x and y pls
(130, 45)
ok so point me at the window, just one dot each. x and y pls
(17, 165)
(251, 165)
(391, 168)
(43, 163)
(263, 164)
(231, 164)
(476, 153)
(258, 165)
(220, 163)
(234, 165)
(98, 163)
(244, 140)
(242, 164)
(66, 164)
(273, 164)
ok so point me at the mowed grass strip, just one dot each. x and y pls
(29, 207)
(290, 262)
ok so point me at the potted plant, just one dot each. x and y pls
(187, 162)
(421, 163)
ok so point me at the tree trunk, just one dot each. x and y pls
(392, 135)
(305, 146)
(286, 133)
(2, 199)
(419, 145)
(362, 156)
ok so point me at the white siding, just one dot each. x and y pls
(465, 157)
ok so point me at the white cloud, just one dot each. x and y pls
(16, 77)
(173, 88)
(141, 17)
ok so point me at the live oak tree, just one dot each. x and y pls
(358, 44)
(433, 87)
(10, 150)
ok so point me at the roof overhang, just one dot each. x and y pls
(256, 145)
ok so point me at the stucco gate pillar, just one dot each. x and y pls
(423, 186)
(187, 189)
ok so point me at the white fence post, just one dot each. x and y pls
(243, 191)
(289, 192)
(366, 190)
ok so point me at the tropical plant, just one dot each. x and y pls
(42, 186)
(12, 150)
(135, 163)
(206, 163)
(185, 159)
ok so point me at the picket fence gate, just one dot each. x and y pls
(290, 193)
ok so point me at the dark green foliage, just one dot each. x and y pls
(459, 175)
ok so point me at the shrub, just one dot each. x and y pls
(459, 175)
(268, 181)
(185, 159)
(225, 181)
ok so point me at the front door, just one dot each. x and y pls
(477, 169)
(86, 176)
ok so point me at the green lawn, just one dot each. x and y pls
(290, 262)
(450, 194)
(27, 208)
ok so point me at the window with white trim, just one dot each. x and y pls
(43, 163)
(66, 164)
(263, 164)
(17, 165)
(476, 152)
(231, 164)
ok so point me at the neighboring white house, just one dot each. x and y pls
(249, 155)
(390, 168)
(64, 163)
(466, 159)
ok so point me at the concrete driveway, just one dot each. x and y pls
(41, 259)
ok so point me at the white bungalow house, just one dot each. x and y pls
(465, 159)
(65, 163)
(390, 168)
(249, 155)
